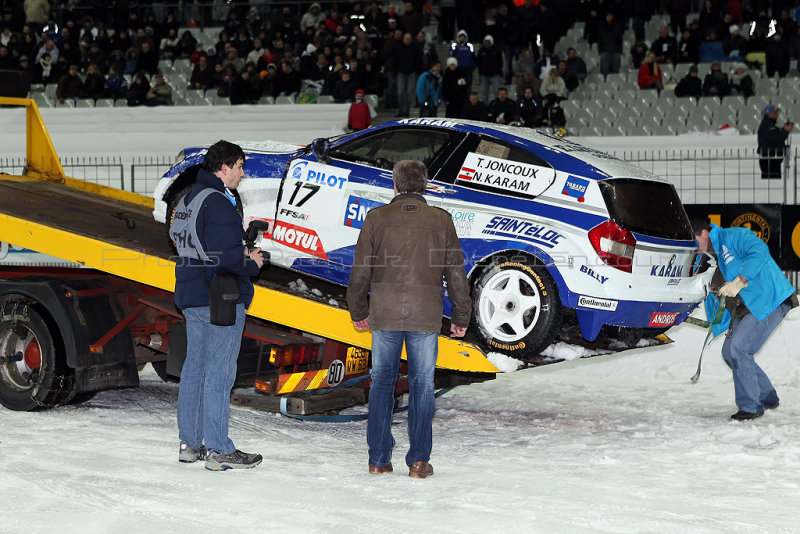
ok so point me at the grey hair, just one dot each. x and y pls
(410, 176)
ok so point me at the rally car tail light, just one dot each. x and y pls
(614, 245)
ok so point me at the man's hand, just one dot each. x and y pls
(457, 331)
(789, 126)
(732, 288)
(255, 255)
(363, 324)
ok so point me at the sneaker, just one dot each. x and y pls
(216, 461)
(745, 416)
(189, 454)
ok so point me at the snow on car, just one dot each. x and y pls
(554, 234)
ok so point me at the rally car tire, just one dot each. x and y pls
(516, 308)
(32, 373)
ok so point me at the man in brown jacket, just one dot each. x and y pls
(404, 250)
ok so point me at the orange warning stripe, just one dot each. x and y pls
(292, 382)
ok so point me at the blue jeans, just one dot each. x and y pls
(422, 349)
(610, 62)
(751, 384)
(406, 92)
(486, 81)
(207, 377)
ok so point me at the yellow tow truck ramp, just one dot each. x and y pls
(113, 231)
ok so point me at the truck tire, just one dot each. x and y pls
(33, 374)
(517, 308)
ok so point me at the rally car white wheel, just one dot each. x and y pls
(517, 308)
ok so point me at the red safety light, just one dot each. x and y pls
(293, 354)
(614, 245)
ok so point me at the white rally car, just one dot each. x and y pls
(553, 232)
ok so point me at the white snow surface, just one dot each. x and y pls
(619, 443)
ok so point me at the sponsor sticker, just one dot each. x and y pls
(357, 209)
(590, 272)
(319, 174)
(597, 303)
(429, 122)
(505, 176)
(298, 238)
(754, 222)
(522, 230)
(663, 319)
(667, 271)
(462, 220)
(575, 188)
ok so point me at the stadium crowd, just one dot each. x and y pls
(113, 49)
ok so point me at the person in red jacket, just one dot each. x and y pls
(650, 74)
(359, 116)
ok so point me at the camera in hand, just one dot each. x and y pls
(254, 230)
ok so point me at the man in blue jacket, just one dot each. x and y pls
(758, 297)
(429, 91)
(212, 351)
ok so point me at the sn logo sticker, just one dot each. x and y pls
(357, 209)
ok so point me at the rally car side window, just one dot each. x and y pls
(385, 148)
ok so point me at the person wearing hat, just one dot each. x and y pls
(454, 89)
(772, 142)
(464, 53)
(735, 45)
(741, 82)
(70, 86)
(716, 82)
(690, 85)
(25, 65)
(359, 116)
(490, 67)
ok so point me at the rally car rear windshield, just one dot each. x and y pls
(647, 207)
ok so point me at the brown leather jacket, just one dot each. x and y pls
(403, 251)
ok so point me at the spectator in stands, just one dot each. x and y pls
(735, 45)
(7, 61)
(690, 85)
(530, 111)
(411, 20)
(122, 41)
(711, 49)
(650, 74)
(137, 92)
(268, 77)
(345, 89)
(374, 81)
(160, 93)
(454, 89)
(575, 66)
(96, 56)
(756, 46)
(709, 15)
(523, 63)
(242, 90)
(553, 89)
(609, 44)
(778, 58)
(529, 80)
(168, 47)
(429, 91)
(131, 61)
(44, 71)
(202, 75)
(716, 82)
(569, 79)
(688, 48)
(359, 115)
(665, 47)
(407, 64)
(548, 62)
(490, 66)
(528, 15)
(464, 52)
(232, 59)
(186, 44)
(70, 86)
(116, 85)
(429, 55)
(741, 82)
(391, 44)
(288, 81)
(148, 58)
(502, 109)
(475, 110)
(638, 53)
(36, 14)
(312, 18)
(25, 65)
(94, 84)
(375, 20)
(49, 46)
(772, 142)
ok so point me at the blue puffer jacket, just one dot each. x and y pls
(741, 252)
(219, 228)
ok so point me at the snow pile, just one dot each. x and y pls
(504, 364)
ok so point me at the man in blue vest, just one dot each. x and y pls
(758, 296)
(214, 245)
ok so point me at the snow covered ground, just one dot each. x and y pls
(619, 443)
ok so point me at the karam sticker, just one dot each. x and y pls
(505, 176)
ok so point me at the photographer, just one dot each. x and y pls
(772, 142)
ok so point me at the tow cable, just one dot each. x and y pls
(344, 418)
(719, 312)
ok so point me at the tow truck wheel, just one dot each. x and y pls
(517, 309)
(31, 376)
